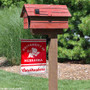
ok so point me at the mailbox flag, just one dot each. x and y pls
(33, 56)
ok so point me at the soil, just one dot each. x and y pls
(65, 71)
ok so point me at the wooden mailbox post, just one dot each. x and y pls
(47, 20)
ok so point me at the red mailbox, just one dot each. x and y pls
(45, 19)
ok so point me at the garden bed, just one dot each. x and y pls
(65, 71)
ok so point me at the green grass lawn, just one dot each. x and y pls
(11, 80)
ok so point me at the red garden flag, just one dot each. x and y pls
(33, 56)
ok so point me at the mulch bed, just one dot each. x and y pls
(65, 71)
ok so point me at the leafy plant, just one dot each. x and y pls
(11, 33)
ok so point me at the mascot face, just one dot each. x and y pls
(34, 50)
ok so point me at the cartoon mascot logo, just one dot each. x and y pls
(33, 52)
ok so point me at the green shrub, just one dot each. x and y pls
(85, 25)
(70, 47)
(85, 28)
(12, 3)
